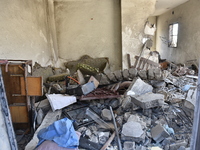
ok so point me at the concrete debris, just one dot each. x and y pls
(148, 100)
(106, 115)
(129, 145)
(133, 130)
(142, 74)
(111, 77)
(132, 72)
(125, 74)
(151, 109)
(150, 74)
(139, 87)
(118, 75)
(159, 133)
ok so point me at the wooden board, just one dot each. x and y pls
(19, 113)
(34, 86)
(12, 84)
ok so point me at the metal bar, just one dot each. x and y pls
(116, 129)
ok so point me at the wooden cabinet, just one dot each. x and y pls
(20, 89)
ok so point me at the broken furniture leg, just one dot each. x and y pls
(109, 141)
(116, 130)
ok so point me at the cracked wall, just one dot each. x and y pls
(187, 15)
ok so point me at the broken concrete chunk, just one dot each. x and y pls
(159, 133)
(142, 74)
(126, 102)
(106, 115)
(132, 73)
(129, 145)
(132, 130)
(104, 80)
(158, 74)
(94, 80)
(111, 77)
(81, 79)
(103, 137)
(118, 75)
(148, 100)
(178, 144)
(88, 87)
(150, 73)
(139, 87)
(125, 74)
(126, 116)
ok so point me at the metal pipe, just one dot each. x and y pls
(116, 129)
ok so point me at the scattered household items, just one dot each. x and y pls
(88, 108)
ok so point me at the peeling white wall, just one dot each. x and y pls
(23, 30)
(188, 17)
(134, 14)
(89, 27)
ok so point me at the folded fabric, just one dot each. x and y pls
(61, 132)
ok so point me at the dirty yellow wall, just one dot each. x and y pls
(89, 27)
(134, 14)
(188, 17)
(23, 32)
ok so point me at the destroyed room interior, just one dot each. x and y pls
(99, 74)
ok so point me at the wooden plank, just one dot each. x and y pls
(19, 114)
(34, 85)
(6, 114)
(12, 84)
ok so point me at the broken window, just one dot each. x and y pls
(173, 35)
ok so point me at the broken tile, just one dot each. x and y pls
(148, 100)
(159, 133)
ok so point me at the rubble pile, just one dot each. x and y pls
(126, 109)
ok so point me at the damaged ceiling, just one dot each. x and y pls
(163, 6)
